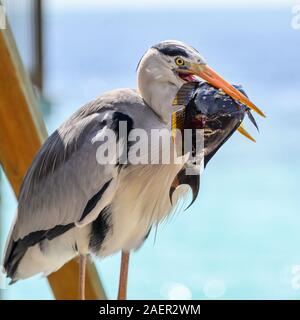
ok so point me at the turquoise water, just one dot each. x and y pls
(241, 237)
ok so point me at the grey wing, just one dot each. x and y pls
(65, 185)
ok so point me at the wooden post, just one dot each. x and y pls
(22, 132)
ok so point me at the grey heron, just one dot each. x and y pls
(70, 204)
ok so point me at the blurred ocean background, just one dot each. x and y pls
(240, 240)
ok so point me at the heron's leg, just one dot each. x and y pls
(82, 267)
(123, 275)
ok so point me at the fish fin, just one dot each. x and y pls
(251, 118)
(191, 180)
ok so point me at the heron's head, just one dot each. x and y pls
(166, 66)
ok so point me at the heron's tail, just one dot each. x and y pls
(13, 253)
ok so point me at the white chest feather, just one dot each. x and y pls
(142, 199)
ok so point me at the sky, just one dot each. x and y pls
(81, 4)
(71, 5)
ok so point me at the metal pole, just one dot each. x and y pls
(38, 45)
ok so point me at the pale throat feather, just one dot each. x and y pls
(158, 86)
(160, 98)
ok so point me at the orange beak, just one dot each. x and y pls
(209, 75)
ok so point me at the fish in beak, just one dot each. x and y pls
(213, 78)
(217, 114)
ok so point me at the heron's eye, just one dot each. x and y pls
(179, 61)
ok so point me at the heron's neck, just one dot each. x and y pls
(159, 96)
